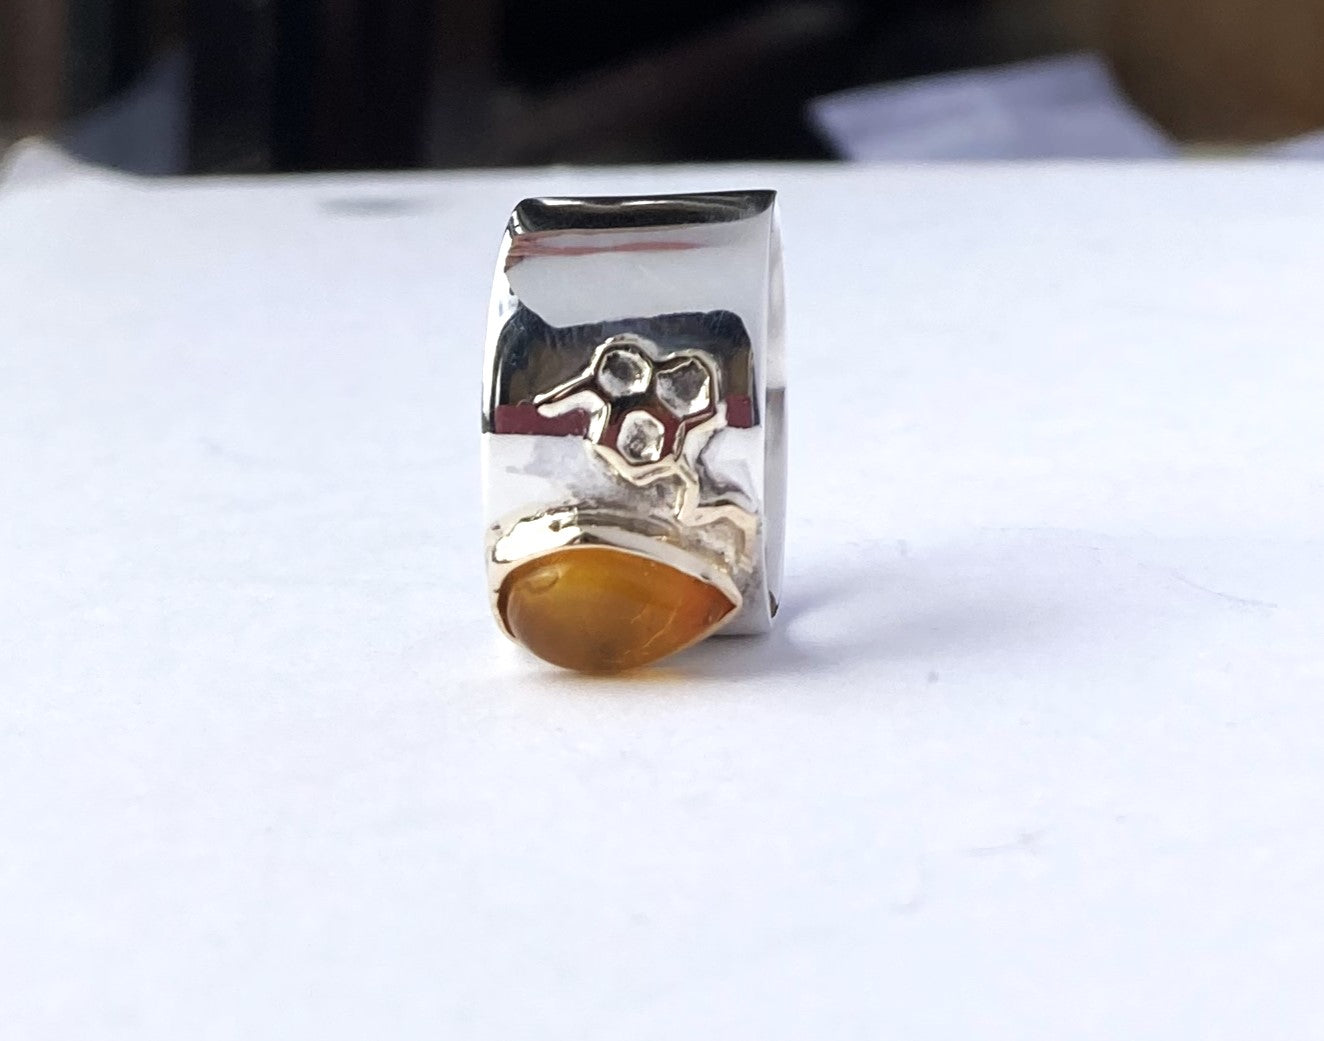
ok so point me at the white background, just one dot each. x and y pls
(1036, 752)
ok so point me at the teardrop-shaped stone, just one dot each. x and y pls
(596, 609)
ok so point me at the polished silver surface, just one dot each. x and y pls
(634, 389)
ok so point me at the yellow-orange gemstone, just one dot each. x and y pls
(596, 609)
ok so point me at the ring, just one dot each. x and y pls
(634, 453)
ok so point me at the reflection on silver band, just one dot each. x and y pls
(634, 389)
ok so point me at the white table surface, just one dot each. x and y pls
(1036, 752)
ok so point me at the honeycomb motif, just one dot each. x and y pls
(622, 372)
(641, 404)
(685, 387)
(641, 438)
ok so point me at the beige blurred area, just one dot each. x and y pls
(31, 66)
(1208, 71)
(1221, 70)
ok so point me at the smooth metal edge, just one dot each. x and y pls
(543, 214)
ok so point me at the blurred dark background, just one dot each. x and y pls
(286, 85)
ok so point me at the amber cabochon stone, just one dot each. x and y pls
(596, 609)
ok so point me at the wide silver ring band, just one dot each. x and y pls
(634, 392)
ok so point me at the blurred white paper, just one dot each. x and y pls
(35, 160)
(1066, 107)
(1307, 146)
